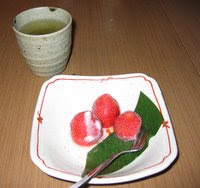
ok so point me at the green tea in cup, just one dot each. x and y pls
(42, 26)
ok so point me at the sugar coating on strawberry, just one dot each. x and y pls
(128, 125)
(86, 129)
(107, 109)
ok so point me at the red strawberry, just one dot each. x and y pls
(106, 109)
(128, 125)
(86, 129)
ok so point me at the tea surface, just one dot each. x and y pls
(42, 27)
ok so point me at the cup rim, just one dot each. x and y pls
(43, 35)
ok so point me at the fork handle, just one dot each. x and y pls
(95, 171)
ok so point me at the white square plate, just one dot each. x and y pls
(61, 97)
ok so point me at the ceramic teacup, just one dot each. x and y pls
(46, 52)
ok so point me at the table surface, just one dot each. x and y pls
(157, 37)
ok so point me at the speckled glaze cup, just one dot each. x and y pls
(46, 54)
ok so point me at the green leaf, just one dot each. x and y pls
(151, 120)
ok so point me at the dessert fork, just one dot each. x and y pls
(138, 144)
